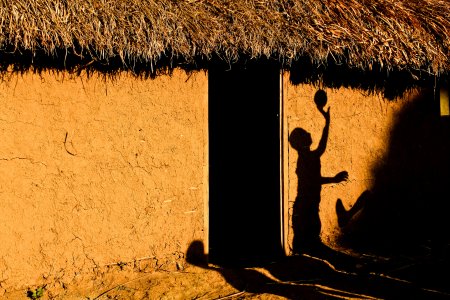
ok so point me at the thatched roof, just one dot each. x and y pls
(392, 34)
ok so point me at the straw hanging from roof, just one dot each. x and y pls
(396, 34)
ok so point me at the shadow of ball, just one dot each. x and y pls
(320, 98)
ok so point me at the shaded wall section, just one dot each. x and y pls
(408, 206)
(386, 147)
(95, 171)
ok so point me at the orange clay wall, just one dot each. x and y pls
(361, 133)
(99, 172)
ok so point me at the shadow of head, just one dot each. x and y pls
(300, 139)
(195, 254)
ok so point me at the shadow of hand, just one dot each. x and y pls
(341, 176)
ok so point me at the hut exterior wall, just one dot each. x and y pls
(99, 172)
(358, 140)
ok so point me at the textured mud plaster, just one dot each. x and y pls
(96, 171)
(358, 138)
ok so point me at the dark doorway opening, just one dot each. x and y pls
(244, 159)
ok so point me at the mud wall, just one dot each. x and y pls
(362, 136)
(99, 171)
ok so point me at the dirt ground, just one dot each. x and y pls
(355, 276)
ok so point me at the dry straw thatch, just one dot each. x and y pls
(394, 34)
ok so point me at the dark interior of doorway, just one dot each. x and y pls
(244, 158)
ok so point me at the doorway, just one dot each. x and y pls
(244, 163)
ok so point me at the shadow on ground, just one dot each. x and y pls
(355, 277)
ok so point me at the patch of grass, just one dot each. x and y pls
(37, 293)
(121, 264)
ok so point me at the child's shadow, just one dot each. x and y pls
(306, 223)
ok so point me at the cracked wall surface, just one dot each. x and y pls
(358, 140)
(97, 171)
